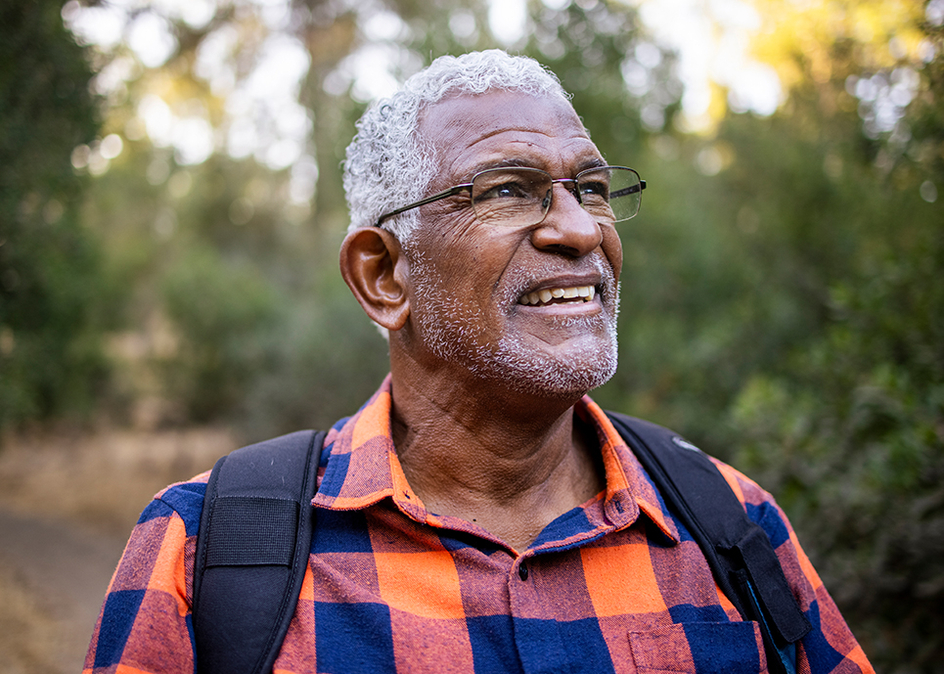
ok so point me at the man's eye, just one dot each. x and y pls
(508, 190)
(594, 188)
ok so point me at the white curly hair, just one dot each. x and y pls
(389, 165)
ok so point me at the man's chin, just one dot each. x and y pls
(562, 385)
(540, 373)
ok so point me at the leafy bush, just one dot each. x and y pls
(52, 287)
(853, 442)
(222, 311)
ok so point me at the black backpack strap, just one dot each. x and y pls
(252, 552)
(738, 550)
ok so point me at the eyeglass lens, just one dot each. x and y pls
(521, 197)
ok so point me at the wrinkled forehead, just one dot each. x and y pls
(466, 133)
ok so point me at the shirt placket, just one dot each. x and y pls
(537, 635)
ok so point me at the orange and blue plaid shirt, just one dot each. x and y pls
(615, 585)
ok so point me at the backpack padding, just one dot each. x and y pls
(252, 552)
(738, 550)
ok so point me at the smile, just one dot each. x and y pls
(559, 296)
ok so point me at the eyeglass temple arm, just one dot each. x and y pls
(422, 202)
(632, 189)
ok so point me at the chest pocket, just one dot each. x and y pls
(700, 648)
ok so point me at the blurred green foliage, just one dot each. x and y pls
(782, 301)
(53, 292)
(218, 309)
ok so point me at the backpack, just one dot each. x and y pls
(255, 537)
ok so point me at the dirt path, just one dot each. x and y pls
(68, 501)
(53, 576)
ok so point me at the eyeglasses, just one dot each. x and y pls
(521, 196)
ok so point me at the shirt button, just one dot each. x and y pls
(523, 572)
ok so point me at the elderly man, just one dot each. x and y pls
(480, 512)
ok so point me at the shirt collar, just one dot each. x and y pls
(627, 483)
(363, 468)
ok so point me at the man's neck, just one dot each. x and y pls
(510, 465)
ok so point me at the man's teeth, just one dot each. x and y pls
(584, 293)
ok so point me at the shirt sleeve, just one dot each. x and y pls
(830, 646)
(145, 623)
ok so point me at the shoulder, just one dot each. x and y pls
(183, 499)
(751, 494)
(760, 504)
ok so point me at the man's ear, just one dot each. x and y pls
(376, 270)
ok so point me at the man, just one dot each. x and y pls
(480, 513)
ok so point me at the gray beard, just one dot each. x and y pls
(454, 336)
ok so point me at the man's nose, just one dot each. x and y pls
(568, 228)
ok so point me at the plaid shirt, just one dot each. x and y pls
(615, 585)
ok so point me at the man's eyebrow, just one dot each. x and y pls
(596, 162)
(515, 162)
(505, 162)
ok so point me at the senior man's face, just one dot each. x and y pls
(474, 285)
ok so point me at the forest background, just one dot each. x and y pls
(171, 208)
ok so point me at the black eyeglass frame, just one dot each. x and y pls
(452, 191)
